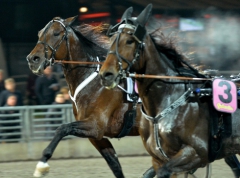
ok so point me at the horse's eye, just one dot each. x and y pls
(56, 33)
(129, 41)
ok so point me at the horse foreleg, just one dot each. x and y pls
(106, 149)
(186, 159)
(150, 173)
(78, 128)
(233, 162)
(42, 167)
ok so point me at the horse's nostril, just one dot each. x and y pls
(35, 59)
(108, 76)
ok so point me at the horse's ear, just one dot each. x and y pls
(144, 16)
(127, 14)
(71, 20)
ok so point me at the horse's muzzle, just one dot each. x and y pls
(109, 80)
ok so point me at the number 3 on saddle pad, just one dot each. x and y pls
(224, 95)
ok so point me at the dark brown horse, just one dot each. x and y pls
(175, 122)
(98, 112)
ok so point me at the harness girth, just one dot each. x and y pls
(129, 116)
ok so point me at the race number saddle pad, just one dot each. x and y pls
(224, 95)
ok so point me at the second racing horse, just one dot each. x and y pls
(175, 124)
(99, 112)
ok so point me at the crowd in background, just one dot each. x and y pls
(40, 90)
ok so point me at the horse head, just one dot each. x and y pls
(52, 44)
(127, 43)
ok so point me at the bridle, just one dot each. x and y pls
(138, 32)
(51, 60)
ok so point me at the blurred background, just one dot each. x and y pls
(209, 30)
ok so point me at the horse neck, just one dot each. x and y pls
(153, 92)
(156, 63)
(75, 74)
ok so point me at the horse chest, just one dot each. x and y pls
(166, 127)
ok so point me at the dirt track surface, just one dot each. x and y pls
(133, 167)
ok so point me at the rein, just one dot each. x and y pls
(136, 75)
(167, 77)
(141, 75)
(76, 62)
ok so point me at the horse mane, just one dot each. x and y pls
(94, 42)
(168, 46)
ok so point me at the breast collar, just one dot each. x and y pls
(82, 85)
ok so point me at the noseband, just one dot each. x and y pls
(56, 46)
(138, 34)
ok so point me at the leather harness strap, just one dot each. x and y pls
(155, 120)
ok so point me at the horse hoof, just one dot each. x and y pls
(41, 169)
